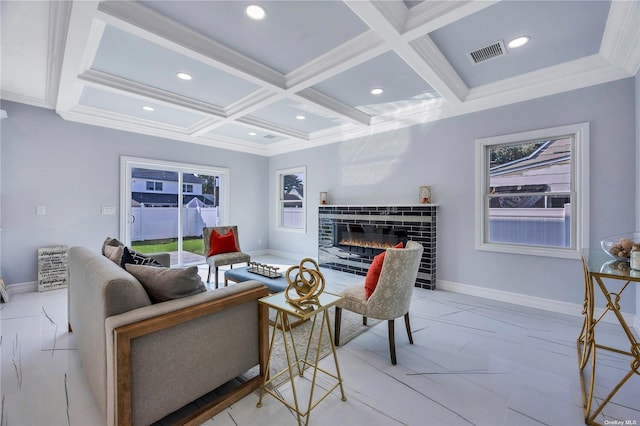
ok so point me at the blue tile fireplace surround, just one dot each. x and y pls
(349, 237)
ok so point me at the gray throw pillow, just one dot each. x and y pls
(164, 284)
(114, 253)
(110, 242)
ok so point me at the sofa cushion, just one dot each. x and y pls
(225, 243)
(130, 256)
(164, 284)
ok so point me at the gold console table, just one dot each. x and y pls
(296, 364)
(598, 269)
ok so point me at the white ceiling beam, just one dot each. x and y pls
(59, 14)
(354, 52)
(78, 32)
(274, 128)
(427, 64)
(621, 39)
(333, 106)
(155, 27)
(431, 15)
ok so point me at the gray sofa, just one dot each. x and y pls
(143, 360)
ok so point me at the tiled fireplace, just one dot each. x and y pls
(350, 236)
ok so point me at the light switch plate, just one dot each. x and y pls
(109, 211)
(41, 210)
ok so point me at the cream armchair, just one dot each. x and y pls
(223, 258)
(391, 298)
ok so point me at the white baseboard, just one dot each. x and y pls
(557, 306)
(22, 288)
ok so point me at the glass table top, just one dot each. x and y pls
(600, 263)
(279, 301)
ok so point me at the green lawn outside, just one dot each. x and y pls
(193, 245)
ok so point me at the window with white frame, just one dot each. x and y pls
(291, 201)
(154, 186)
(532, 194)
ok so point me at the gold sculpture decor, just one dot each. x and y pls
(307, 283)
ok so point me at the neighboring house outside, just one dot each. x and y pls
(158, 188)
(533, 219)
(293, 196)
(546, 170)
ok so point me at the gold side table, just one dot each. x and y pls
(296, 364)
(599, 267)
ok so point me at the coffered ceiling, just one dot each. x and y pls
(302, 76)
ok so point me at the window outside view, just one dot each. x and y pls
(291, 198)
(529, 192)
(155, 200)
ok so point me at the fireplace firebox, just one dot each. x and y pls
(356, 237)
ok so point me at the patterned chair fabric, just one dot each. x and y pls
(222, 259)
(392, 296)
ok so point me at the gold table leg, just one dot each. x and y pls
(587, 347)
(282, 324)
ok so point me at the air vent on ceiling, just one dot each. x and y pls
(492, 51)
(269, 136)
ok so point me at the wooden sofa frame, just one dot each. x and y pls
(124, 335)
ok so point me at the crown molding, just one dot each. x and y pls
(94, 117)
(28, 100)
(116, 84)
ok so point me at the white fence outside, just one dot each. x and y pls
(292, 217)
(154, 223)
(543, 227)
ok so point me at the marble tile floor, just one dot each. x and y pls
(474, 362)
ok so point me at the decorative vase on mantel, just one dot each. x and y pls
(425, 194)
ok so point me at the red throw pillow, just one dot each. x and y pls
(373, 274)
(222, 243)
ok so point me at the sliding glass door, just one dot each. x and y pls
(165, 205)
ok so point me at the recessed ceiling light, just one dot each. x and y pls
(300, 117)
(377, 91)
(148, 108)
(519, 41)
(255, 12)
(252, 133)
(184, 76)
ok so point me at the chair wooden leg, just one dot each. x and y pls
(408, 325)
(216, 276)
(209, 276)
(336, 325)
(392, 341)
(364, 320)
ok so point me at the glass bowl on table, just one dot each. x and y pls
(619, 246)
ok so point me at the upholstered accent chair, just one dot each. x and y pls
(222, 259)
(392, 296)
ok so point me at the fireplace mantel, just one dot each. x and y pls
(416, 221)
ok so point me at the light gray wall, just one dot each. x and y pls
(389, 168)
(74, 169)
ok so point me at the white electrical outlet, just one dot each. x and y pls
(41, 210)
(109, 211)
